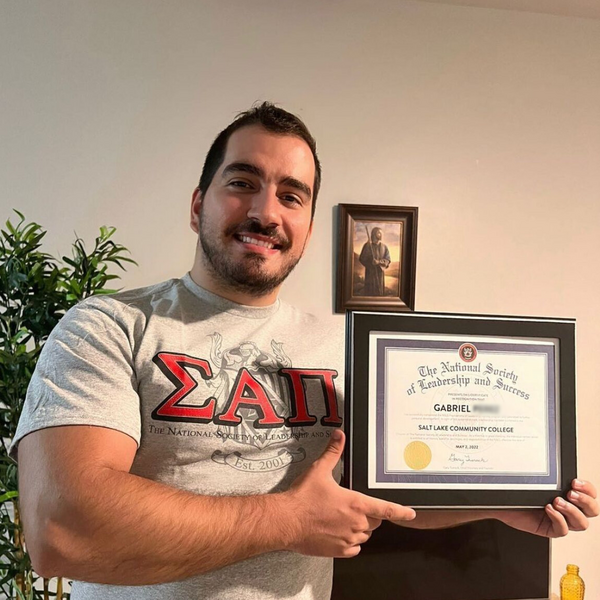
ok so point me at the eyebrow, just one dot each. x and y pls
(236, 167)
(297, 184)
(243, 167)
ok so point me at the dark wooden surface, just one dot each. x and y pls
(485, 560)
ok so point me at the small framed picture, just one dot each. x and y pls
(377, 257)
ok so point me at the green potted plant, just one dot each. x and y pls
(36, 289)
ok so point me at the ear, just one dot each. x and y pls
(195, 210)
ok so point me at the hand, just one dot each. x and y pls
(329, 520)
(560, 517)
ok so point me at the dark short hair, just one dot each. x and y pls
(273, 119)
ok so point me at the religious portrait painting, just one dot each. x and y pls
(376, 257)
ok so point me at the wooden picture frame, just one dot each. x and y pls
(377, 257)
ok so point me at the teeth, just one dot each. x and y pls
(249, 240)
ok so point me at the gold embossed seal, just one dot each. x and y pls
(417, 455)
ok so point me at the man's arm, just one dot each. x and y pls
(385, 259)
(555, 520)
(86, 517)
(442, 519)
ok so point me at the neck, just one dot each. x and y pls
(206, 280)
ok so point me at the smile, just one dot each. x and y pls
(255, 241)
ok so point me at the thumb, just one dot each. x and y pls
(332, 453)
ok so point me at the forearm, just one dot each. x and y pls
(127, 530)
(88, 518)
(441, 519)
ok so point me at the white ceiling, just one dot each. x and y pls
(589, 9)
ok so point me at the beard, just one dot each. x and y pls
(246, 275)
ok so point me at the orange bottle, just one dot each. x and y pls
(571, 585)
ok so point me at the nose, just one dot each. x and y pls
(265, 207)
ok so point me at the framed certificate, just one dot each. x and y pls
(450, 410)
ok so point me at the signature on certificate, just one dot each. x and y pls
(465, 459)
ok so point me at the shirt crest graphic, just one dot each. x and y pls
(264, 367)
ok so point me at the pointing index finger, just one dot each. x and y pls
(388, 511)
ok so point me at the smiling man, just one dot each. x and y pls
(183, 440)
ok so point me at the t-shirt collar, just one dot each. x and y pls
(225, 305)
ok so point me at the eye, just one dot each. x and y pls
(240, 183)
(291, 199)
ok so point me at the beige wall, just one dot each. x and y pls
(486, 120)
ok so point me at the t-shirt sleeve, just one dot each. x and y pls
(85, 375)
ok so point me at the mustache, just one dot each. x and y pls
(252, 226)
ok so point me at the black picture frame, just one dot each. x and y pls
(390, 287)
(360, 325)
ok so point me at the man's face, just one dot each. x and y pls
(255, 218)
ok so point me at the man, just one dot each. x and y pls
(183, 438)
(375, 257)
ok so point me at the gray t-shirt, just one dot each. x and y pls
(147, 362)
